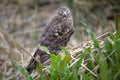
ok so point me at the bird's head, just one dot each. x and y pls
(64, 11)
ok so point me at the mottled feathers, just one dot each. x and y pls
(57, 33)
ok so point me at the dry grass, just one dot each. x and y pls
(22, 24)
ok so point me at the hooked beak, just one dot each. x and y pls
(65, 14)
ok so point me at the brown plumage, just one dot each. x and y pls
(57, 33)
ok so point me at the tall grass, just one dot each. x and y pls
(102, 64)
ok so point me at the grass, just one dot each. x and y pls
(93, 64)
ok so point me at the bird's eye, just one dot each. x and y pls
(63, 12)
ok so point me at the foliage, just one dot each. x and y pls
(103, 65)
(22, 70)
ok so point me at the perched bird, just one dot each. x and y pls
(57, 33)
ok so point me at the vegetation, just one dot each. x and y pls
(102, 64)
(92, 53)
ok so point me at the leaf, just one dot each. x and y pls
(22, 70)
(43, 75)
(65, 61)
(100, 60)
(55, 58)
(91, 34)
(117, 46)
(55, 66)
(64, 50)
(112, 37)
(85, 76)
(39, 68)
(117, 25)
(43, 48)
(109, 74)
(108, 46)
(78, 64)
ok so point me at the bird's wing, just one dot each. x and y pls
(47, 28)
(57, 33)
(43, 41)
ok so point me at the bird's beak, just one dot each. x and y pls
(65, 14)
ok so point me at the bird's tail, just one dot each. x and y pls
(38, 56)
(32, 65)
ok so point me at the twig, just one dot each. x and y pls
(89, 70)
(103, 35)
(110, 54)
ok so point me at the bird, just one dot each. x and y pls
(57, 33)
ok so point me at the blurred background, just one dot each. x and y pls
(24, 20)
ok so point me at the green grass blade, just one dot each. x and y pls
(65, 61)
(91, 34)
(43, 48)
(108, 46)
(64, 50)
(117, 25)
(22, 70)
(85, 76)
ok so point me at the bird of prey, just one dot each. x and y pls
(57, 33)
